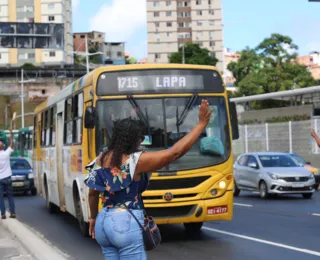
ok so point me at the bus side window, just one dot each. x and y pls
(77, 118)
(68, 123)
(53, 116)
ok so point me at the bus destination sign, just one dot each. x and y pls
(159, 81)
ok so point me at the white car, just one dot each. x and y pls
(272, 173)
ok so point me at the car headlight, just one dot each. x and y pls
(30, 176)
(311, 176)
(273, 176)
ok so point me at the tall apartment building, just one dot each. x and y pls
(173, 22)
(35, 31)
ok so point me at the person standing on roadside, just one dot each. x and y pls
(5, 179)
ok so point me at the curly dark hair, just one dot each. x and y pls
(125, 137)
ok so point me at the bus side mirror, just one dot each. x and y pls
(90, 117)
(234, 121)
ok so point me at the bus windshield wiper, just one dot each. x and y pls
(186, 110)
(142, 117)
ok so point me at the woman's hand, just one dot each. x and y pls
(92, 225)
(204, 112)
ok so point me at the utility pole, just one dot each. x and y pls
(183, 54)
(22, 100)
(87, 55)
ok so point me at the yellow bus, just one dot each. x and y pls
(74, 126)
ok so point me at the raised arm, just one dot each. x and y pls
(11, 139)
(316, 137)
(153, 161)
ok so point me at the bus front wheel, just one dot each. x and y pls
(193, 227)
(84, 226)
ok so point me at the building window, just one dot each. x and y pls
(157, 55)
(156, 4)
(51, 18)
(31, 55)
(157, 25)
(156, 14)
(0, 56)
(199, 23)
(168, 3)
(212, 44)
(169, 24)
(169, 13)
(211, 34)
(198, 2)
(119, 54)
(199, 12)
(211, 12)
(211, 22)
(213, 54)
(21, 56)
(82, 36)
(169, 34)
(209, 2)
(51, 6)
(52, 54)
(157, 35)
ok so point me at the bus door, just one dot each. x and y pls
(59, 151)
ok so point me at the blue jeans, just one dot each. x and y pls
(6, 186)
(119, 234)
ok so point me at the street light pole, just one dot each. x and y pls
(183, 54)
(22, 100)
(87, 54)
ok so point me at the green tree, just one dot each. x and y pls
(96, 59)
(270, 67)
(131, 60)
(194, 54)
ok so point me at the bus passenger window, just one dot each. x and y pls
(68, 124)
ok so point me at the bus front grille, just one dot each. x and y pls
(171, 212)
(183, 183)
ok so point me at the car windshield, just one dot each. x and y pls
(166, 121)
(277, 161)
(19, 164)
(299, 159)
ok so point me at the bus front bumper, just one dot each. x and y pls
(216, 209)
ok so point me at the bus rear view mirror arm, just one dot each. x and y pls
(90, 118)
(234, 120)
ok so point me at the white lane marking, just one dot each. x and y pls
(306, 251)
(315, 214)
(243, 205)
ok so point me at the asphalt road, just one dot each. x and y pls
(278, 228)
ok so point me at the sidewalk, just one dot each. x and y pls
(11, 248)
(19, 242)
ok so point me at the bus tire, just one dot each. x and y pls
(236, 190)
(50, 206)
(193, 227)
(33, 191)
(84, 226)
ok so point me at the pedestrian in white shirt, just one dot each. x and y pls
(5, 179)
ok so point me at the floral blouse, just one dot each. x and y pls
(117, 186)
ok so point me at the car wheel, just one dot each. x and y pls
(263, 190)
(307, 195)
(193, 227)
(84, 226)
(236, 190)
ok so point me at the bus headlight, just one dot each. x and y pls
(222, 184)
(30, 176)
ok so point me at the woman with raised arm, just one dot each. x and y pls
(121, 180)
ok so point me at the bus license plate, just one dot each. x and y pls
(17, 184)
(217, 210)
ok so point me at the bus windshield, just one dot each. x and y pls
(166, 121)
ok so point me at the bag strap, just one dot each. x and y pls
(133, 216)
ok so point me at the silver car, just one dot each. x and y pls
(272, 173)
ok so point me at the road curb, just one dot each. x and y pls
(32, 242)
